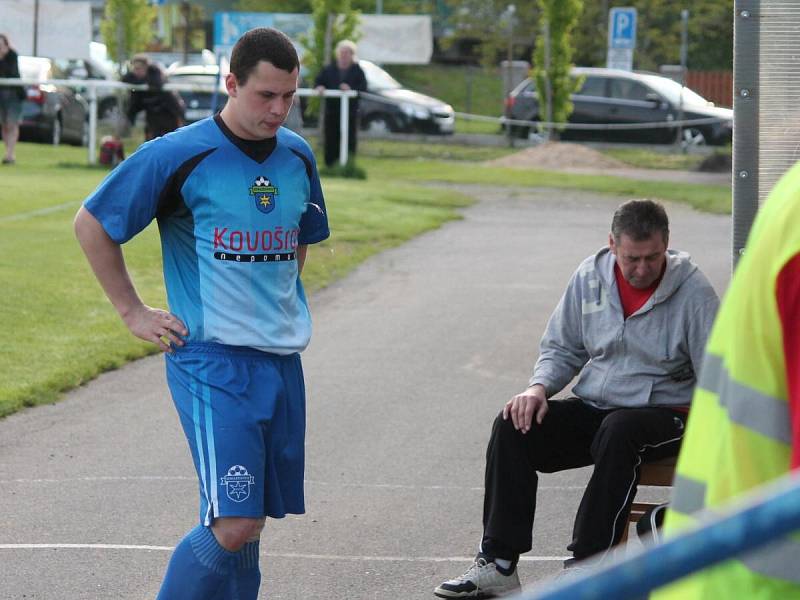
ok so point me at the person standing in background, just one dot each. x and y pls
(11, 98)
(342, 74)
(163, 109)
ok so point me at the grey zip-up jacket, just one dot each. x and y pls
(650, 359)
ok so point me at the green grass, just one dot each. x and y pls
(649, 159)
(61, 331)
(708, 198)
(380, 148)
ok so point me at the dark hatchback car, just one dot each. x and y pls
(51, 113)
(389, 107)
(610, 96)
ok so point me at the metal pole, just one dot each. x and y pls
(746, 46)
(684, 52)
(511, 10)
(36, 28)
(344, 119)
(92, 124)
(548, 88)
(185, 6)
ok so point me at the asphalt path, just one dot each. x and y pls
(413, 355)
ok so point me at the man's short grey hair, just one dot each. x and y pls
(349, 44)
(640, 220)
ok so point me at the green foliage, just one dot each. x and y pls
(491, 22)
(658, 35)
(334, 21)
(127, 27)
(658, 30)
(561, 17)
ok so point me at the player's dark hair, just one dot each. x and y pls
(640, 220)
(262, 43)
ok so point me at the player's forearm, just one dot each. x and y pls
(106, 259)
(302, 251)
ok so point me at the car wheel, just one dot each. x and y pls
(380, 124)
(108, 109)
(84, 141)
(55, 134)
(693, 137)
(520, 131)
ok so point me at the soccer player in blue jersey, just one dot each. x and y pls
(237, 199)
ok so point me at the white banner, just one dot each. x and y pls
(64, 29)
(401, 39)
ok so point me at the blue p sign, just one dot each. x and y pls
(622, 28)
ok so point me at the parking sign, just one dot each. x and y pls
(622, 28)
(621, 38)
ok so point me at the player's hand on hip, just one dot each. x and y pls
(157, 326)
(526, 405)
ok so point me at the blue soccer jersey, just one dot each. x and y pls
(231, 214)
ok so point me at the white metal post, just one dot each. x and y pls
(344, 122)
(92, 124)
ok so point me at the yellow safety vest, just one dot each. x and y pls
(739, 434)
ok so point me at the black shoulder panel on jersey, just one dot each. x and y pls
(170, 199)
(305, 160)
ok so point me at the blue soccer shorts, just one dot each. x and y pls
(243, 412)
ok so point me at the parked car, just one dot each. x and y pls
(91, 69)
(199, 103)
(51, 113)
(388, 106)
(616, 96)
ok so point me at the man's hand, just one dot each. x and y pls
(156, 325)
(320, 89)
(522, 408)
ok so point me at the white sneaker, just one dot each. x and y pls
(482, 580)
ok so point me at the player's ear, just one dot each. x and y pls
(231, 85)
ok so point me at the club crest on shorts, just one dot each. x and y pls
(264, 194)
(237, 483)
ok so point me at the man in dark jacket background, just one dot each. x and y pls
(342, 74)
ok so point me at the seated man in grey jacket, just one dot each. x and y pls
(632, 324)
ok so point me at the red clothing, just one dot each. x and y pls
(787, 295)
(633, 298)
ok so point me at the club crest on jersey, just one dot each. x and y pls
(264, 194)
(237, 483)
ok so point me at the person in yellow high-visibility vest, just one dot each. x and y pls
(744, 426)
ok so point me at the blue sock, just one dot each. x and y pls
(199, 568)
(247, 574)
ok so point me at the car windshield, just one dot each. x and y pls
(377, 78)
(671, 90)
(205, 79)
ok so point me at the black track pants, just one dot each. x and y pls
(573, 434)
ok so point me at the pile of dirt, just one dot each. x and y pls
(558, 155)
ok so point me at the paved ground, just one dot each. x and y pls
(413, 355)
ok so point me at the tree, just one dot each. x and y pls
(334, 20)
(127, 27)
(552, 72)
(487, 21)
(658, 36)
